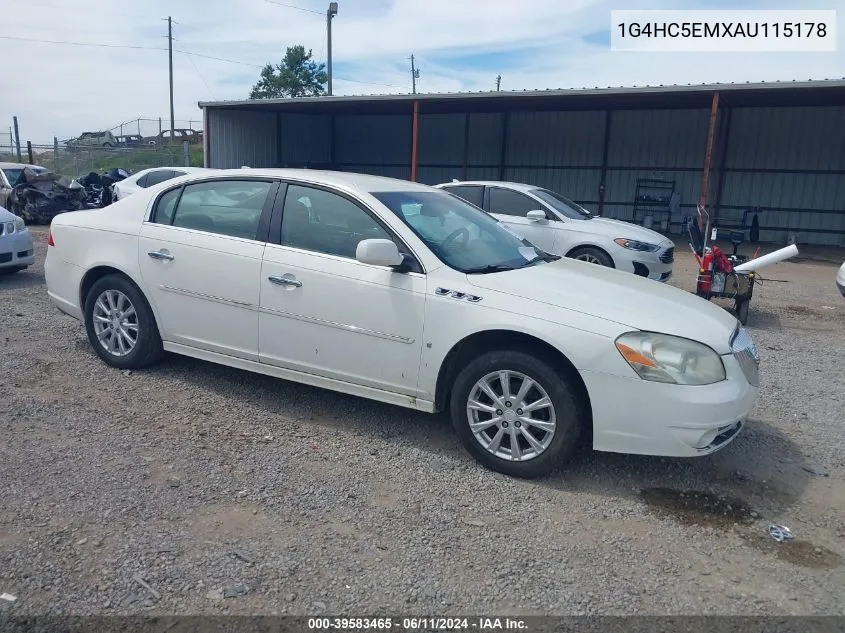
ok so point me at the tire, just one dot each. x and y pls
(107, 145)
(147, 348)
(592, 255)
(567, 407)
(741, 309)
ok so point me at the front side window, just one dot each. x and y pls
(462, 236)
(321, 221)
(563, 205)
(507, 202)
(224, 207)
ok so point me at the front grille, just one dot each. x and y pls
(5, 258)
(668, 256)
(745, 352)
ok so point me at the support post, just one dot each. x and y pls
(170, 63)
(29, 152)
(605, 151)
(17, 138)
(723, 156)
(332, 141)
(56, 155)
(708, 153)
(415, 127)
(187, 151)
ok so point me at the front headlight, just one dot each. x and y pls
(672, 359)
(634, 245)
(20, 225)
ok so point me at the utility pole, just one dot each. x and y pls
(330, 13)
(498, 83)
(415, 74)
(170, 61)
(17, 138)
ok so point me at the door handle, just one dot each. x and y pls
(160, 255)
(284, 281)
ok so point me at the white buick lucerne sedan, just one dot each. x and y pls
(405, 294)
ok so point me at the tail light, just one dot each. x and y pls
(50, 239)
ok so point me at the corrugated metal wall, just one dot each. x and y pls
(238, 137)
(790, 161)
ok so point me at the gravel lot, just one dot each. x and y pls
(194, 488)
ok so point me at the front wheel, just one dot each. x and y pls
(120, 324)
(516, 414)
(592, 256)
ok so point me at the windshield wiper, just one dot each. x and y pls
(493, 268)
(545, 257)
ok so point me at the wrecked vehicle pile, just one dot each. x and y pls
(39, 197)
(98, 187)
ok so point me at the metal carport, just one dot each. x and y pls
(777, 147)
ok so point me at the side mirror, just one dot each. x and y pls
(378, 252)
(536, 215)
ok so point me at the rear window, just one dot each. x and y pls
(474, 194)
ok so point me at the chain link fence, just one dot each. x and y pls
(78, 161)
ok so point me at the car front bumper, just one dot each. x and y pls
(17, 250)
(636, 416)
(657, 266)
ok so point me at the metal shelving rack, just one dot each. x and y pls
(652, 198)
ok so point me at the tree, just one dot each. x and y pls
(297, 75)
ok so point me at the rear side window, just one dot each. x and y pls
(224, 207)
(142, 181)
(155, 177)
(471, 193)
(507, 202)
(165, 207)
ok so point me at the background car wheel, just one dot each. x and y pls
(120, 324)
(593, 256)
(516, 414)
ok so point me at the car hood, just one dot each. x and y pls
(618, 228)
(6, 215)
(616, 296)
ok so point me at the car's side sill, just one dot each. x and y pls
(388, 397)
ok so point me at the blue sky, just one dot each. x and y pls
(458, 45)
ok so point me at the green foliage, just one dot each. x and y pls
(297, 75)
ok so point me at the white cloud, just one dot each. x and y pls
(63, 90)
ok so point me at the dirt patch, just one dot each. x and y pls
(798, 552)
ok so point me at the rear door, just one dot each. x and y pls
(511, 208)
(200, 257)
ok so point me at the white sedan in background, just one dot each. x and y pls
(560, 226)
(149, 177)
(840, 279)
(402, 293)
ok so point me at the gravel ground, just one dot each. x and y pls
(194, 488)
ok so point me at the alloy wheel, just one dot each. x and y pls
(115, 322)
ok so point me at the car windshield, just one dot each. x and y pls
(562, 204)
(462, 236)
(12, 175)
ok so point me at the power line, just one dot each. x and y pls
(219, 59)
(199, 74)
(291, 6)
(68, 43)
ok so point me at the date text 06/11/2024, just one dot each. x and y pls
(417, 624)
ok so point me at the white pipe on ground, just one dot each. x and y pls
(767, 260)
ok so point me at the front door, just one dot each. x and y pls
(200, 258)
(325, 313)
(511, 208)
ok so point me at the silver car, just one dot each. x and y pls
(840, 279)
(16, 248)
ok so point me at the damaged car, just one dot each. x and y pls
(40, 196)
(98, 187)
(9, 175)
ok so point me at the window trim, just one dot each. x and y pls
(262, 231)
(490, 188)
(275, 236)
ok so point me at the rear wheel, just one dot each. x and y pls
(592, 255)
(516, 414)
(120, 324)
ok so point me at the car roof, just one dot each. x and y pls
(516, 186)
(361, 182)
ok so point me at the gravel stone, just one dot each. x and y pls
(315, 501)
